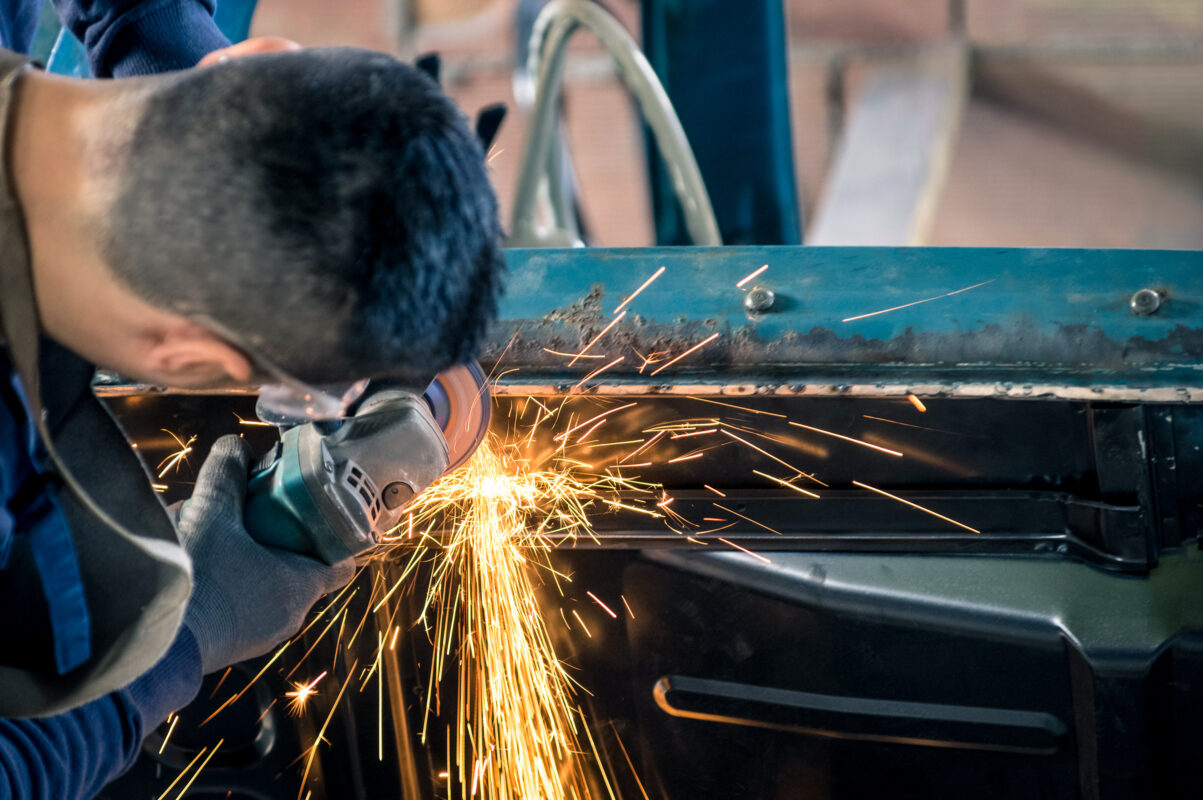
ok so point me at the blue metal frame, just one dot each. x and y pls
(1040, 322)
(725, 67)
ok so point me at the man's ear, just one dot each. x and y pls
(189, 356)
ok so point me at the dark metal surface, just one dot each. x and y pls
(1112, 484)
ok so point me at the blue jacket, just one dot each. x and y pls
(74, 754)
(123, 37)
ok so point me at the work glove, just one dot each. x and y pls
(246, 598)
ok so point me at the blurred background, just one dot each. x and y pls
(1081, 124)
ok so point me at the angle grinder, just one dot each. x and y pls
(332, 489)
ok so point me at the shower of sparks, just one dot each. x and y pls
(485, 533)
(917, 302)
(642, 286)
(473, 559)
(697, 346)
(174, 460)
(916, 506)
(917, 403)
(750, 276)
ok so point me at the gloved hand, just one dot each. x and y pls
(246, 597)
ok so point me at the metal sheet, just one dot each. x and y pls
(1037, 323)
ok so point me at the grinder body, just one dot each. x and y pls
(331, 490)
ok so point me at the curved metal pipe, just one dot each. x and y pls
(549, 38)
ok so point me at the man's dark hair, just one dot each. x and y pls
(331, 208)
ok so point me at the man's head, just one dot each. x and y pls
(327, 211)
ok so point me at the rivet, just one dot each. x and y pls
(1145, 302)
(758, 300)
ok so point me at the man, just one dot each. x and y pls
(301, 219)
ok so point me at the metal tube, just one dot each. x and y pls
(549, 38)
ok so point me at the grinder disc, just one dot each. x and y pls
(459, 399)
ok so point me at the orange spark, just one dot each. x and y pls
(750, 276)
(749, 519)
(643, 286)
(628, 605)
(711, 488)
(252, 422)
(184, 772)
(770, 455)
(786, 484)
(576, 428)
(594, 340)
(301, 692)
(757, 556)
(597, 372)
(915, 505)
(573, 355)
(583, 625)
(917, 403)
(199, 769)
(605, 607)
(178, 457)
(174, 719)
(849, 438)
(917, 302)
(694, 433)
(322, 731)
(689, 457)
(739, 408)
(700, 344)
(645, 446)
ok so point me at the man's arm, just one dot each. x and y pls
(74, 754)
(140, 37)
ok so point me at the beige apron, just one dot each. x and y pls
(136, 577)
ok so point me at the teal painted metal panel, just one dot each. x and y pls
(1031, 318)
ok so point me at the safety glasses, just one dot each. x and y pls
(283, 397)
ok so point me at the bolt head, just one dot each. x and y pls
(1145, 302)
(758, 300)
